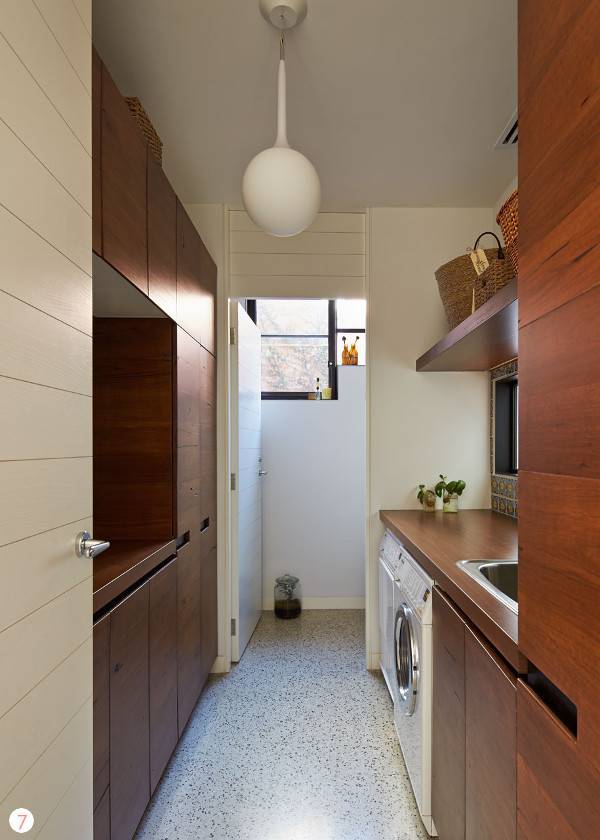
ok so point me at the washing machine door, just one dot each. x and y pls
(407, 660)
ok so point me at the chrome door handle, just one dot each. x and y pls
(85, 546)
(263, 472)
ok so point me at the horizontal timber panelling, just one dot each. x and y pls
(50, 568)
(39, 422)
(36, 496)
(33, 119)
(36, 197)
(324, 223)
(46, 279)
(40, 51)
(256, 242)
(325, 261)
(45, 414)
(37, 644)
(292, 264)
(37, 348)
(39, 718)
(50, 778)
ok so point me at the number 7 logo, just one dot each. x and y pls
(21, 820)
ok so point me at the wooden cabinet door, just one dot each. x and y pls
(162, 240)
(101, 641)
(196, 283)
(208, 609)
(162, 659)
(124, 155)
(96, 152)
(557, 793)
(189, 629)
(208, 440)
(102, 818)
(491, 743)
(449, 732)
(129, 714)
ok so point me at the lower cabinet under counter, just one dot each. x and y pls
(474, 732)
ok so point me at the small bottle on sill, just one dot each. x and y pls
(318, 393)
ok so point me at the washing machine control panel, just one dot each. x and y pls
(416, 589)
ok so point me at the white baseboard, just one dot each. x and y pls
(221, 666)
(324, 604)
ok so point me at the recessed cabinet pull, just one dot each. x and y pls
(205, 525)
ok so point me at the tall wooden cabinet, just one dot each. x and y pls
(156, 636)
(474, 732)
(559, 373)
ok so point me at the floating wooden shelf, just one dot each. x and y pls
(485, 339)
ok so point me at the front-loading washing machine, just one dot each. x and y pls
(406, 662)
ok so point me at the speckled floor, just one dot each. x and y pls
(296, 743)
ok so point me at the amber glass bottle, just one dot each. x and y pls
(345, 353)
(354, 352)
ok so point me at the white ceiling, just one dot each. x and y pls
(396, 102)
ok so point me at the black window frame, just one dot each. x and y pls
(506, 426)
(251, 309)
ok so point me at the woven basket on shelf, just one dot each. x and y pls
(462, 291)
(145, 124)
(508, 219)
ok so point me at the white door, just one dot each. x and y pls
(246, 498)
(45, 418)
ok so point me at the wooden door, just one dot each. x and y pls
(196, 283)
(124, 153)
(45, 418)
(101, 710)
(162, 240)
(559, 373)
(129, 714)
(449, 720)
(189, 629)
(162, 658)
(491, 743)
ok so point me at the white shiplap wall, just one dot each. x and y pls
(326, 261)
(45, 415)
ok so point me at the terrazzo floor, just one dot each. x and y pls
(296, 743)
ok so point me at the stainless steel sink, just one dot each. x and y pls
(500, 577)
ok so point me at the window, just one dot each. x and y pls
(351, 323)
(302, 340)
(506, 426)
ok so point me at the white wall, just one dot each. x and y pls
(420, 424)
(45, 415)
(313, 496)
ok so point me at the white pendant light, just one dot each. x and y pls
(281, 189)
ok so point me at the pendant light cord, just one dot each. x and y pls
(281, 140)
(282, 47)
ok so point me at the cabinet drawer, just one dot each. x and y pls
(101, 643)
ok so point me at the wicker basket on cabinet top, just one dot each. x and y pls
(508, 219)
(145, 124)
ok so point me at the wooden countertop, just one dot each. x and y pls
(439, 540)
(124, 564)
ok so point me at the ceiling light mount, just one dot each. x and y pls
(283, 15)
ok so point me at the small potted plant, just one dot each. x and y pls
(449, 491)
(427, 498)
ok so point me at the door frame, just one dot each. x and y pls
(224, 662)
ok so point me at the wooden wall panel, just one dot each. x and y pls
(162, 240)
(124, 193)
(559, 377)
(101, 708)
(133, 428)
(448, 715)
(162, 657)
(129, 714)
(491, 744)
(196, 283)
(559, 371)
(558, 794)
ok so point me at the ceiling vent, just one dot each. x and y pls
(510, 135)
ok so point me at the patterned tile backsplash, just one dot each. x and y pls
(505, 488)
